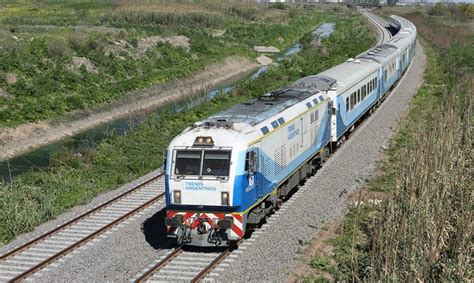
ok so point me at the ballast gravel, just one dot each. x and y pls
(274, 254)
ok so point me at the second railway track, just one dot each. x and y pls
(181, 265)
(381, 25)
(37, 254)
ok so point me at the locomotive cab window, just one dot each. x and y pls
(188, 162)
(216, 163)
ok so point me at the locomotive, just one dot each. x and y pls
(228, 172)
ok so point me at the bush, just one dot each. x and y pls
(250, 14)
(279, 6)
(57, 49)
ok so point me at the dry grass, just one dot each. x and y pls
(249, 11)
(425, 232)
(445, 35)
(165, 7)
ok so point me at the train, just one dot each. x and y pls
(225, 174)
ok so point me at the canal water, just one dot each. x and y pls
(39, 158)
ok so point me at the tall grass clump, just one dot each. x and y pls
(425, 231)
(133, 18)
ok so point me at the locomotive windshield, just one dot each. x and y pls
(216, 163)
(202, 162)
(188, 162)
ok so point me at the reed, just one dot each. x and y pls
(424, 232)
(130, 18)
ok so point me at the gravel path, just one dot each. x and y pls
(274, 254)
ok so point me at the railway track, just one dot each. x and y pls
(181, 265)
(37, 254)
(381, 25)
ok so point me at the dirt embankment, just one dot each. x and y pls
(18, 140)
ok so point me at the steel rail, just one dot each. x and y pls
(382, 29)
(162, 263)
(84, 240)
(201, 275)
(74, 220)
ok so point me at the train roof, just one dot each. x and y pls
(379, 53)
(262, 108)
(349, 73)
(345, 75)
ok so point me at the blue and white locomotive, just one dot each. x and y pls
(229, 171)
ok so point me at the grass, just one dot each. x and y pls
(40, 39)
(38, 196)
(423, 231)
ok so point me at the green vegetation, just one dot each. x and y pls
(65, 56)
(38, 196)
(423, 231)
(460, 12)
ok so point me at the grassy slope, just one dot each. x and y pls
(424, 230)
(37, 196)
(39, 42)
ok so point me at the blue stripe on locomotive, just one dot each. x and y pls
(167, 188)
(245, 196)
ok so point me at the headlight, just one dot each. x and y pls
(225, 198)
(177, 196)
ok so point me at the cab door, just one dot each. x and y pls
(259, 177)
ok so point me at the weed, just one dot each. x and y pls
(320, 262)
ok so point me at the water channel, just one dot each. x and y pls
(39, 158)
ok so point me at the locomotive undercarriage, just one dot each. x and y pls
(204, 233)
(201, 236)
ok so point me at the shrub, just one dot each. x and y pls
(57, 49)
(279, 6)
(243, 12)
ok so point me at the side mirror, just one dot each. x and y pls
(165, 157)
